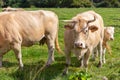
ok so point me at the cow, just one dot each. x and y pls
(82, 34)
(9, 9)
(108, 36)
(25, 28)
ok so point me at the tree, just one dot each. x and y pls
(60, 3)
(1, 3)
(108, 3)
(4, 3)
(81, 3)
(66, 3)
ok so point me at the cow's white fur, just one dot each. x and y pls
(24, 28)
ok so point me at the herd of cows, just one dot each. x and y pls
(84, 34)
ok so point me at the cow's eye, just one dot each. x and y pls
(85, 31)
(108, 33)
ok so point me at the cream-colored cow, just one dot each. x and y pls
(9, 9)
(25, 28)
(82, 34)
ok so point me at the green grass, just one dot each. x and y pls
(35, 57)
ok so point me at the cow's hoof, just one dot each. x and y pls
(85, 65)
(104, 62)
(93, 59)
(104, 78)
(99, 65)
(64, 73)
(20, 68)
(47, 65)
(81, 66)
(0, 66)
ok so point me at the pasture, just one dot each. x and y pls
(35, 56)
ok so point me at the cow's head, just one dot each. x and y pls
(81, 30)
(109, 33)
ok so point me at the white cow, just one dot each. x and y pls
(25, 28)
(82, 34)
(9, 9)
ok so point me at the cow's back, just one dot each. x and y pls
(27, 26)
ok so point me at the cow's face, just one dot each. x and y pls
(81, 30)
(109, 33)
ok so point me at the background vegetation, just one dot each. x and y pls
(35, 57)
(60, 3)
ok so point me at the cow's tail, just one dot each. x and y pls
(57, 45)
(44, 40)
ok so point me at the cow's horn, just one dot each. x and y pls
(68, 21)
(92, 20)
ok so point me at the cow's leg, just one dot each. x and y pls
(51, 47)
(1, 61)
(68, 61)
(1, 56)
(81, 62)
(17, 50)
(100, 51)
(86, 58)
(104, 50)
(95, 54)
(81, 57)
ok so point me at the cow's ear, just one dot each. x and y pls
(113, 28)
(93, 28)
(69, 26)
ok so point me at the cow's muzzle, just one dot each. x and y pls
(111, 39)
(80, 45)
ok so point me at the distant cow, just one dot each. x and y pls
(25, 28)
(108, 36)
(82, 34)
(9, 9)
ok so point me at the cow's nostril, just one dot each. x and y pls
(111, 39)
(81, 44)
(76, 44)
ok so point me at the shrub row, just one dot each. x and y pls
(60, 3)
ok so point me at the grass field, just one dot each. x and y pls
(35, 57)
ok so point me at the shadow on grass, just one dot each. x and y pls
(33, 71)
(8, 64)
(74, 61)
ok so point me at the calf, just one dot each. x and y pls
(108, 36)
